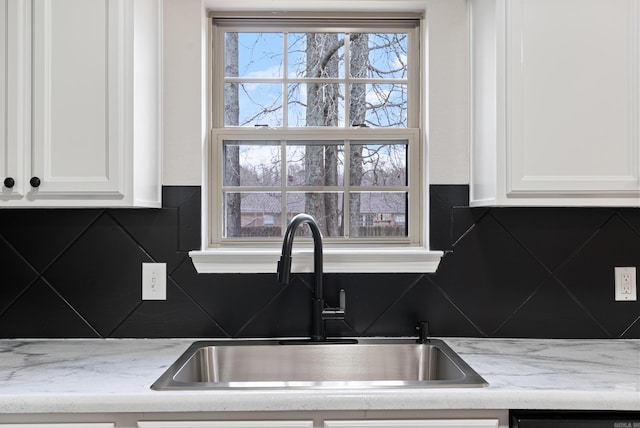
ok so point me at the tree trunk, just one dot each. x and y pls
(232, 153)
(359, 44)
(322, 110)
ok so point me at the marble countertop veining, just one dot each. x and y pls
(114, 375)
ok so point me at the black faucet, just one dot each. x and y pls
(318, 312)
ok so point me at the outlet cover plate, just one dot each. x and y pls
(625, 284)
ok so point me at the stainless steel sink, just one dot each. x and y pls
(371, 363)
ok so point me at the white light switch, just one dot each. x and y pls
(154, 281)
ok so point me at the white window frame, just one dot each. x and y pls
(364, 256)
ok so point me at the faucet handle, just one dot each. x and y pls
(336, 313)
(423, 332)
(343, 300)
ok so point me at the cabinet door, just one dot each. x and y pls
(61, 425)
(572, 97)
(78, 107)
(227, 424)
(417, 423)
(14, 93)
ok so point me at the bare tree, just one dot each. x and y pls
(358, 109)
(323, 110)
(232, 152)
(321, 56)
(321, 161)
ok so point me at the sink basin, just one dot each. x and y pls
(370, 363)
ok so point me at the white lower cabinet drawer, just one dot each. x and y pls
(415, 423)
(227, 424)
(62, 425)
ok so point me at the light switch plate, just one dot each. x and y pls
(154, 281)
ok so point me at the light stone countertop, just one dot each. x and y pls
(114, 375)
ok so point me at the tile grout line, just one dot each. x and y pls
(40, 274)
(204, 311)
(450, 300)
(388, 308)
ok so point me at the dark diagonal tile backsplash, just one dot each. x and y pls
(507, 272)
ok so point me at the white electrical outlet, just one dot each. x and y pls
(154, 281)
(625, 281)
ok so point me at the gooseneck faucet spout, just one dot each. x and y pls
(284, 269)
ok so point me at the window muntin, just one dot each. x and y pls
(361, 185)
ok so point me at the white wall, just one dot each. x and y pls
(448, 123)
(183, 92)
(448, 80)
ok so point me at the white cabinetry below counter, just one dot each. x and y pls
(288, 420)
(80, 119)
(555, 102)
(386, 423)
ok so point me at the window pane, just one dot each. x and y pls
(252, 215)
(253, 55)
(251, 104)
(316, 104)
(297, 105)
(378, 163)
(315, 164)
(252, 163)
(315, 55)
(386, 105)
(386, 55)
(378, 214)
(326, 207)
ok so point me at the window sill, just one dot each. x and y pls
(371, 260)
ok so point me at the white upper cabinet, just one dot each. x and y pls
(555, 102)
(14, 93)
(84, 87)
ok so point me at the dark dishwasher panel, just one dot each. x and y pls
(573, 419)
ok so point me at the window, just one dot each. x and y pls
(318, 116)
